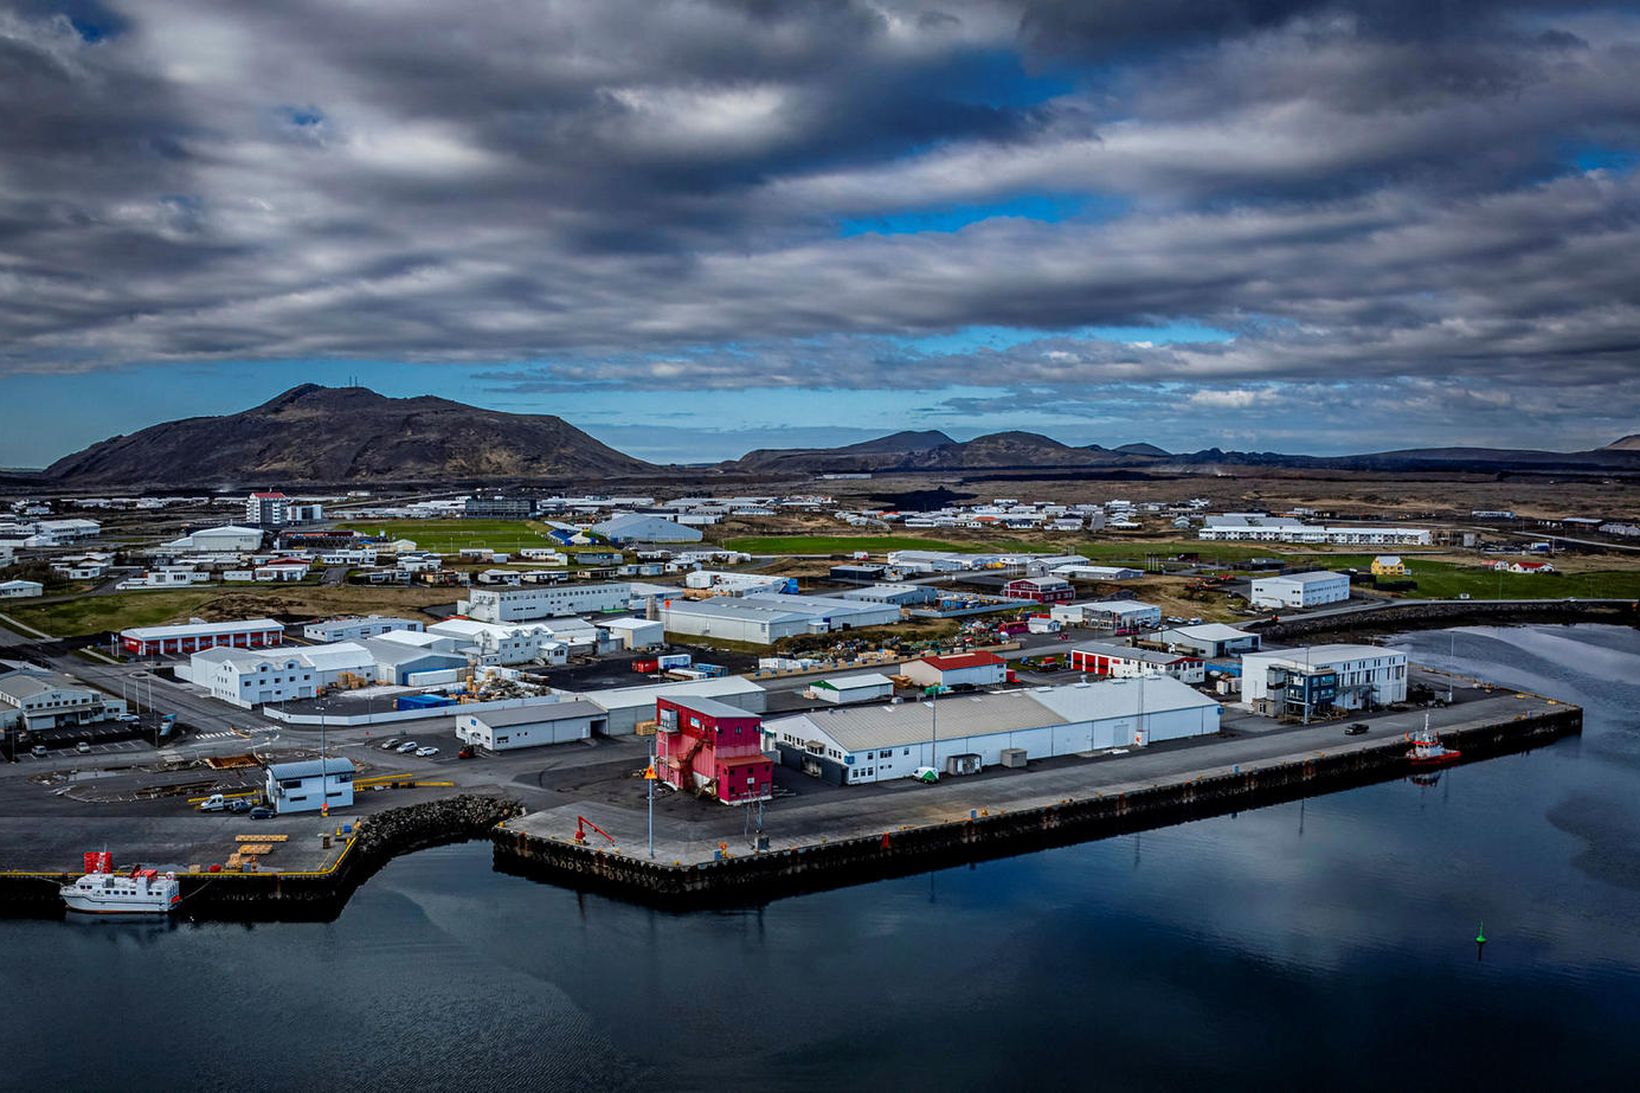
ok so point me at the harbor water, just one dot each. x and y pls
(1321, 944)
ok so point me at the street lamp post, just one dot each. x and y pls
(932, 693)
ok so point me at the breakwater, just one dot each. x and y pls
(297, 895)
(1425, 616)
(898, 850)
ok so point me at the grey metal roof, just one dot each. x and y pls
(1120, 698)
(308, 768)
(1127, 652)
(541, 712)
(711, 707)
(1314, 576)
(1210, 631)
(857, 728)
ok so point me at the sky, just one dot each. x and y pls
(696, 227)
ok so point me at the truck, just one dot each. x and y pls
(214, 803)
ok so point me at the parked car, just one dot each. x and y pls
(466, 752)
(390, 743)
(261, 812)
(38, 751)
(239, 804)
(407, 747)
(426, 753)
(214, 803)
(82, 747)
(129, 718)
(926, 774)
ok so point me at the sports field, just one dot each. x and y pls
(449, 536)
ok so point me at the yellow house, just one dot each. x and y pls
(1389, 565)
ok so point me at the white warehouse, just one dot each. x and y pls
(1313, 589)
(860, 744)
(531, 726)
(356, 629)
(542, 601)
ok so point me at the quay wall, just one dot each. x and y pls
(894, 851)
(297, 895)
(1424, 616)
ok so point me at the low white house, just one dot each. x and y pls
(531, 726)
(20, 590)
(310, 784)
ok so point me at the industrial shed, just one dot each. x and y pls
(1210, 639)
(901, 595)
(637, 528)
(626, 706)
(531, 726)
(962, 669)
(846, 690)
(862, 744)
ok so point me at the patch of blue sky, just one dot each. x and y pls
(1600, 157)
(1048, 208)
(973, 338)
(996, 78)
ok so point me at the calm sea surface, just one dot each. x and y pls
(1322, 945)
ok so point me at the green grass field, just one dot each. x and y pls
(449, 536)
(877, 544)
(92, 614)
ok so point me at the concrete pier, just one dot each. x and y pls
(913, 827)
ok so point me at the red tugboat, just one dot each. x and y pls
(1427, 749)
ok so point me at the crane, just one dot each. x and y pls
(582, 823)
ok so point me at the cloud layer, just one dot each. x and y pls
(1407, 200)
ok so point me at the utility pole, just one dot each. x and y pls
(932, 694)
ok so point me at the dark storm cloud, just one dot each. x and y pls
(630, 191)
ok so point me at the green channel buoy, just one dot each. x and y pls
(1480, 934)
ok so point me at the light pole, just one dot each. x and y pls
(931, 693)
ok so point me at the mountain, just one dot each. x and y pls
(345, 434)
(934, 451)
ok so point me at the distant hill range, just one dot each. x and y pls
(346, 434)
(934, 451)
(339, 435)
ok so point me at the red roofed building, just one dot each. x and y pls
(267, 510)
(1040, 590)
(962, 669)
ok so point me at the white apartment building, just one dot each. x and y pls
(542, 601)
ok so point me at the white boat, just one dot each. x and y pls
(103, 892)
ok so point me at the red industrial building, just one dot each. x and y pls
(712, 748)
(1040, 590)
(1121, 661)
(191, 637)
